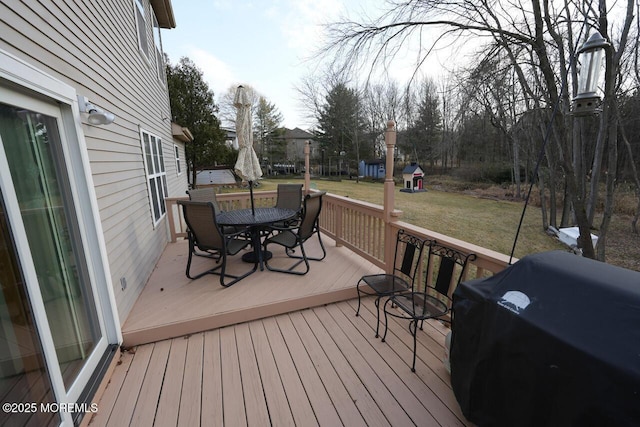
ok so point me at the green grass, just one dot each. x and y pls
(487, 223)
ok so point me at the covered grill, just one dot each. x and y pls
(552, 340)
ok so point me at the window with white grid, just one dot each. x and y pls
(156, 175)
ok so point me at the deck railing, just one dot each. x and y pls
(357, 225)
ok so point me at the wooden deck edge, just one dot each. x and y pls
(191, 326)
(86, 420)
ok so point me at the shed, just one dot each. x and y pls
(413, 176)
(216, 176)
(373, 168)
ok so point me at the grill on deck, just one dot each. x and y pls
(552, 340)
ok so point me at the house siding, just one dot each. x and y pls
(93, 47)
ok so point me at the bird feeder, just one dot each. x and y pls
(590, 59)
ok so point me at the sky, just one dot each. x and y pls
(265, 44)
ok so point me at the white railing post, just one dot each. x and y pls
(389, 195)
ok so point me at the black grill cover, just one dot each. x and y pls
(571, 357)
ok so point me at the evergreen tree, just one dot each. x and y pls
(192, 106)
(340, 125)
(424, 133)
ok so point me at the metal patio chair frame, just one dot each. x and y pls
(407, 258)
(206, 235)
(295, 236)
(434, 300)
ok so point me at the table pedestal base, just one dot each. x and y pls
(251, 256)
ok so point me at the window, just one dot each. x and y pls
(141, 23)
(156, 175)
(157, 40)
(178, 168)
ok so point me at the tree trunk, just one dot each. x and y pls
(636, 179)
(516, 167)
(553, 205)
(596, 167)
(610, 190)
(543, 202)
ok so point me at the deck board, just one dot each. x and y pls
(373, 352)
(429, 367)
(318, 365)
(369, 410)
(190, 398)
(253, 390)
(212, 407)
(130, 391)
(299, 403)
(169, 402)
(323, 407)
(232, 398)
(429, 396)
(344, 405)
(274, 392)
(274, 349)
(382, 396)
(172, 305)
(150, 392)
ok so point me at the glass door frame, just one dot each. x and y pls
(32, 89)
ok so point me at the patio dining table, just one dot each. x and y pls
(256, 220)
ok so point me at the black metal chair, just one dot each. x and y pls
(447, 266)
(405, 266)
(295, 236)
(206, 235)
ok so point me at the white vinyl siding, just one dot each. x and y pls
(156, 174)
(95, 50)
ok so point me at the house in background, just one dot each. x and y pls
(231, 139)
(82, 217)
(289, 158)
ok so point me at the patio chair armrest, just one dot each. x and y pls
(278, 228)
(237, 233)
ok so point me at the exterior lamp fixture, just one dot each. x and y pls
(590, 58)
(97, 116)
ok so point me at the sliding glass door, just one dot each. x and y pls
(50, 322)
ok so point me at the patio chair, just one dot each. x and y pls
(289, 197)
(447, 266)
(295, 236)
(207, 194)
(206, 235)
(405, 266)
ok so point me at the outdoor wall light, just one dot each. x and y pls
(591, 54)
(97, 116)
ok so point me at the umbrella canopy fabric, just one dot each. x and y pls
(247, 165)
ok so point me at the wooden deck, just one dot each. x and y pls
(273, 349)
(171, 305)
(318, 366)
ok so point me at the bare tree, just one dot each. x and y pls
(227, 111)
(539, 39)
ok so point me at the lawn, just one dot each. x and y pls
(486, 222)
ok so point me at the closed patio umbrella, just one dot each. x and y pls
(247, 165)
